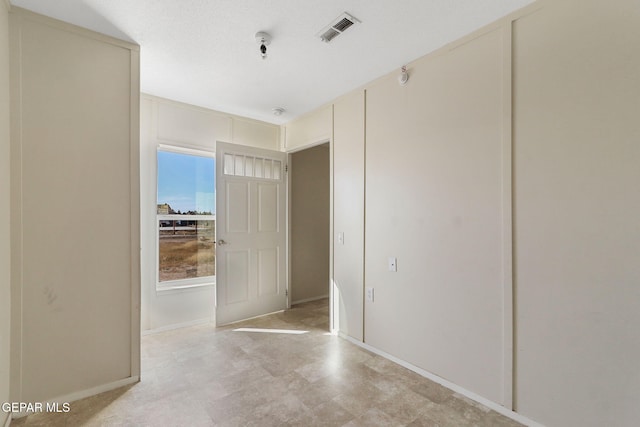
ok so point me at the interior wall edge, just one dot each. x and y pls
(514, 336)
(5, 214)
(364, 216)
(15, 97)
(135, 227)
(348, 233)
(507, 219)
(332, 312)
(288, 215)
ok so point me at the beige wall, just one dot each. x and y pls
(5, 257)
(173, 123)
(434, 200)
(74, 177)
(255, 133)
(577, 211)
(310, 224)
(348, 214)
(308, 130)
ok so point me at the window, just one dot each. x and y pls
(186, 220)
(259, 167)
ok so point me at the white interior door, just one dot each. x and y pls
(250, 231)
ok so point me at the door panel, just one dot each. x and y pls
(251, 206)
(237, 268)
(237, 207)
(268, 199)
(268, 271)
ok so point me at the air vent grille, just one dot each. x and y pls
(337, 27)
(343, 25)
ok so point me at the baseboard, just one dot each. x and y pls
(310, 299)
(251, 318)
(72, 397)
(175, 326)
(448, 384)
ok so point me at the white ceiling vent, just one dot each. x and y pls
(337, 27)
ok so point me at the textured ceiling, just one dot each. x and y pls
(203, 52)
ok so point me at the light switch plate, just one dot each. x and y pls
(393, 264)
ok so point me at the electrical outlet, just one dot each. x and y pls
(369, 294)
(393, 264)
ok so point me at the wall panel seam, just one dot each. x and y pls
(364, 208)
(507, 206)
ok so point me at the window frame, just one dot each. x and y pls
(193, 282)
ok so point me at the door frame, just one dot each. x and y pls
(333, 295)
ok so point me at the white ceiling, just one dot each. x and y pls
(203, 52)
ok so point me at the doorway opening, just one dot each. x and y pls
(310, 225)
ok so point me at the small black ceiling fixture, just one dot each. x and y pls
(263, 39)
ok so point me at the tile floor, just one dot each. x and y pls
(205, 376)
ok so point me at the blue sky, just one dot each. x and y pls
(186, 182)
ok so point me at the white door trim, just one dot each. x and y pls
(333, 324)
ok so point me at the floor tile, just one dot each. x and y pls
(207, 376)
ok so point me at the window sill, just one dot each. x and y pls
(179, 287)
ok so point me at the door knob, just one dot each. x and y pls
(221, 242)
